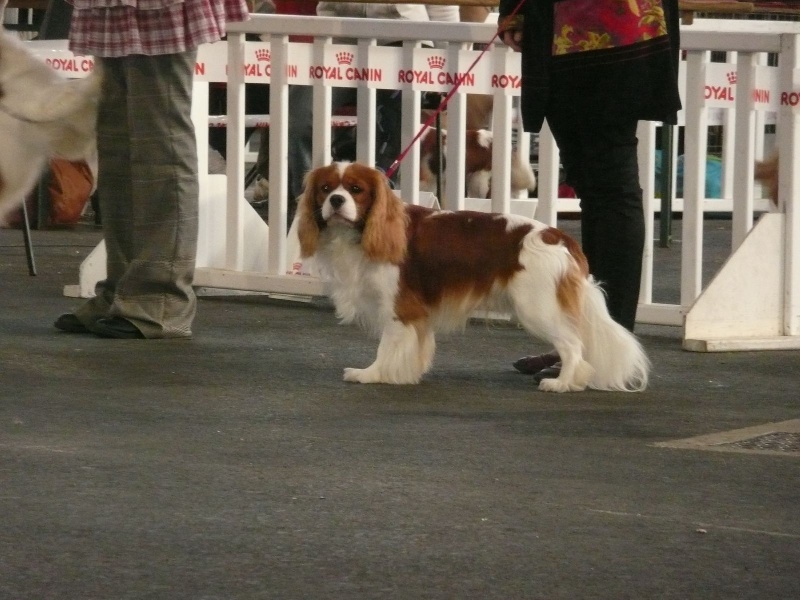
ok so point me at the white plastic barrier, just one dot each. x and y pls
(754, 301)
(742, 94)
(366, 66)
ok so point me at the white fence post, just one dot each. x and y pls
(234, 256)
(745, 136)
(789, 182)
(694, 176)
(278, 151)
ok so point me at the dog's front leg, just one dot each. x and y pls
(405, 352)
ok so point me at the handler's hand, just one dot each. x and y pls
(513, 39)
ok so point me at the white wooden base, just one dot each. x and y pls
(742, 308)
(786, 342)
(211, 246)
(660, 314)
(91, 270)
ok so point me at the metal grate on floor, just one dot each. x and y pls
(778, 439)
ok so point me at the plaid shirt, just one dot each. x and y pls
(113, 28)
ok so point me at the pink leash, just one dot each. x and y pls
(443, 104)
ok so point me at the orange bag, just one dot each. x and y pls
(70, 187)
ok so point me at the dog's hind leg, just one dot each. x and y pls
(575, 371)
(405, 353)
(539, 313)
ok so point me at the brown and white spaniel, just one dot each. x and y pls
(405, 271)
(477, 165)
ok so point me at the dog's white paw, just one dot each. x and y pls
(375, 375)
(361, 375)
(556, 385)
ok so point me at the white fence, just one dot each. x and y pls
(745, 306)
(754, 301)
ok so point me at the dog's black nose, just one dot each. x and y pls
(336, 200)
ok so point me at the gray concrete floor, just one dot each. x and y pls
(238, 465)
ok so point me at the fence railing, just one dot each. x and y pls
(741, 96)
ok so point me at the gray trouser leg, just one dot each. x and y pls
(148, 193)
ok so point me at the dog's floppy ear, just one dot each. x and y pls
(307, 224)
(384, 237)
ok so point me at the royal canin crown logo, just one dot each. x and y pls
(344, 58)
(263, 55)
(436, 62)
(732, 77)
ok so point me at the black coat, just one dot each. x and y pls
(631, 82)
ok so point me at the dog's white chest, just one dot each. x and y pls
(363, 291)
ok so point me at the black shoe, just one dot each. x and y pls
(116, 327)
(71, 324)
(531, 365)
(548, 373)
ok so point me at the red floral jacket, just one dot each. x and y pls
(619, 57)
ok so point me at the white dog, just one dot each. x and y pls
(42, 115)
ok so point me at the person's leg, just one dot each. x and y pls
(343, 139)
(256, 102)
(217, 105)
(259, 105)
(156, 291)
(114, 190)
(387, 134)
(613, 218)
(300, 132)
(261, 179)
(262, 160)
(153, 232)
(601, 163)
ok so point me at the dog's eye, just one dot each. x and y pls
(355, 189)
(326, 188)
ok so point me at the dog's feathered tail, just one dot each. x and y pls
(619, 361)
(556, 299)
